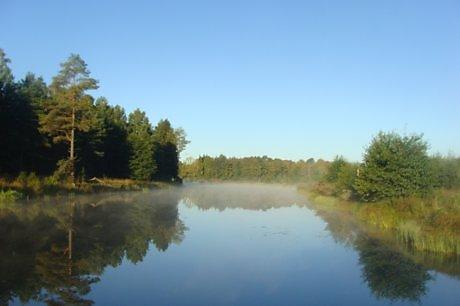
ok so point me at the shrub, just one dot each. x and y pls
(445, 172)
(10, 195)
(33, 183)
(341, 174)
(394, 166)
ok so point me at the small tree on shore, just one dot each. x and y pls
(394, 166)
(69, 109)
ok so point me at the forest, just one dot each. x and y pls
(59, 133)
(253, 169)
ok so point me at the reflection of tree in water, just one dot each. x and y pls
(389, 274)
(54, 252)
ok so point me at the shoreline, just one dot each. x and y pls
(11, 191)
(427, 225)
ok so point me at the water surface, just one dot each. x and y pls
(208, 244)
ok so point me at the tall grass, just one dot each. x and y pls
(30, 185)
(430, 224)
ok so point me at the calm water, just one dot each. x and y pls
(207, 244)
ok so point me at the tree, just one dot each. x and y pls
(36, 154)
(394, 166)
(7, 103)
(166, 150)
(68, 110)
(181, 139)
(141, 163)
(112, 123)
(20, 139)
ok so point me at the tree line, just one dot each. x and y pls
(61, 130)
(259, 169)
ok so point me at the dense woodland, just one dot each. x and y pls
(60, 130)
(254, 169)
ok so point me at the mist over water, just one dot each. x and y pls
(208, 244)
(241, 195)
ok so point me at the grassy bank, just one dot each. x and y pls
(429, 224)
(31, 186)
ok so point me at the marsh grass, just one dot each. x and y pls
(430, 224)
(29, 185)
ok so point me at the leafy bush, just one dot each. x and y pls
(63, 170)
(445, 172)
(341, 174)
(394, 166)
(10, 195)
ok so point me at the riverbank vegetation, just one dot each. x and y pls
(58, 136)
(399, 188)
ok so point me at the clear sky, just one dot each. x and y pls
(288, 79)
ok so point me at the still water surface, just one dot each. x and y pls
(207, 244)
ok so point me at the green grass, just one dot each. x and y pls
(30, 185)
(428, 224)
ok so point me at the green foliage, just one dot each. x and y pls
(10, 195)
(334, 169)
(142, 163)
(445, 172)
(40, 124)
(341, 175)
(20, 138)
(68, 111)
(166, 141)
(259, 169)
(394, 166)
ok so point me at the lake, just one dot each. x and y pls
(208, 244)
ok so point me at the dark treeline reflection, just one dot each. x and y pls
(390, 268)
(53, 252)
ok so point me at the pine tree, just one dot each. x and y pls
(7, 97)
(68, 110)
(166, 151)
(142, 164)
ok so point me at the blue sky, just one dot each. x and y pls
(288, 79)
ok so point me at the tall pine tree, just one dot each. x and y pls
(69, 109)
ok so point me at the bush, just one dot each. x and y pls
(341, 174)
(63, 170)
(394, 166)
(10, 195)
(445, 172)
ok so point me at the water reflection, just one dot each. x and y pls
(53, 252)
(241, 195)
(390, 268)
(389, 274)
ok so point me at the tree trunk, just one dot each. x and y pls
(72, 148)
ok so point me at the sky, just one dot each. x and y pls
(287, 79)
